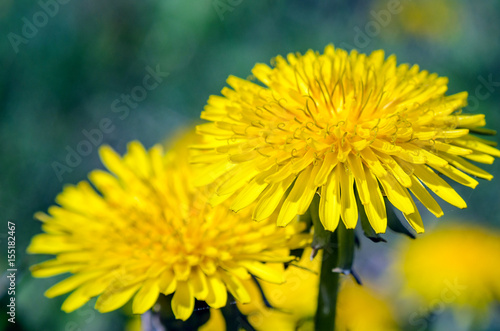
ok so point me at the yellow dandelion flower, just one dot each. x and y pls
(343, 125)
(432, 19)
(146, 231)
(294, 303)
(215, 323)
(454, 266)
(360, 308)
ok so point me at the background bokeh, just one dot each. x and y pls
(63, 72)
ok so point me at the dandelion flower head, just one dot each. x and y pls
(144, 230)
(341, 124)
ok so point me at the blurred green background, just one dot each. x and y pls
(63, 71)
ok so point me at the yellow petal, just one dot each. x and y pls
(468, 167)
(99, 285)
(146, 297)
(271, 198)
(262, 73)
(248, 195)
(481, 158)
(414, 219)
(183, 301)
(115, 297)
(235, 286)
(283, 173)
(395, 169)
(308, 194)
(432, 159)
(70, 283)
(478, 146)
(425, 197)
(470, 120)
(375, 209)
(448, 148)
(373, 162)
(113, 162)
(104, 181)
(210, 173)
(237, 180)
(439, 186)
(155, 269)
(167, 282)
(303, 161)
(301, 194)
(450, 134)
(411, 153)
(217, 295)
(52, 268)
(263, 271)
(213, 130)
(397, 194)
(349, 208)
(198, 282)
(356, 168)
(329, 205)
(329, 162)
(156, 156)
(182, 270)
(75, 300)
(51, 244)
(457, 175)
(137, 159)
(233, 268)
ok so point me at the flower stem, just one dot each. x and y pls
(328, 287)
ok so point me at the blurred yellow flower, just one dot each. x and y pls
(324, 122)
(432, 19)
(147, 230)
(215, 323)
(359, 308)
(454, 265)
(294, 303)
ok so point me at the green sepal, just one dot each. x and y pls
(346, 247)
(483, 131)
(321, 236)
(365, 224)
(396, 221)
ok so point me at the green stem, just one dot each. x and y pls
(328, 287)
